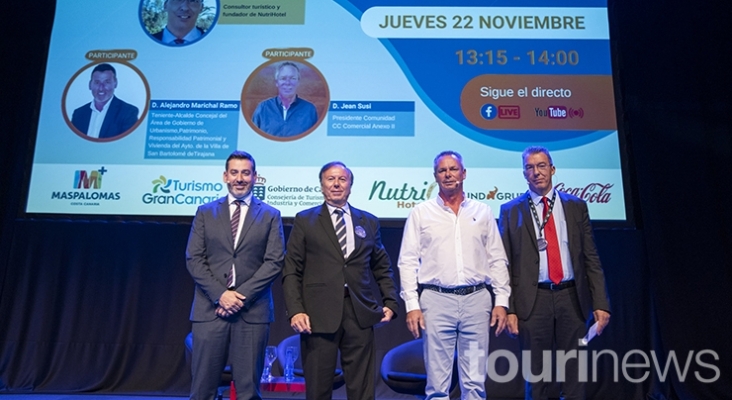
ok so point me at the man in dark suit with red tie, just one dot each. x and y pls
(334, 253)
(557, 281)
(235, 251)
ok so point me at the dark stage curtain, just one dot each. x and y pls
(103, 307)
(90, 306)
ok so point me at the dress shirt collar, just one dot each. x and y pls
(442, 204)
(192, 36)
(247, 200)
(536, 198)
(105, 107)
(346, 209)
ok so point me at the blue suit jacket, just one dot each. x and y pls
(120, 118)
(258, 258)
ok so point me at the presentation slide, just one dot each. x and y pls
(144, 101)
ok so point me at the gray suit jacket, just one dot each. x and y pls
(519, 239)
(258, 257)
(316, 271)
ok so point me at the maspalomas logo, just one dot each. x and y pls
(179, 192)
(591, 193)
(86, 189)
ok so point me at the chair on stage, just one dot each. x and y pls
(226, 377)
(402, 369)
(294, 341)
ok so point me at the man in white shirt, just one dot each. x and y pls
(451, 251)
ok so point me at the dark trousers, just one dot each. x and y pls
(320, 355)
(556, 323)
(232, 339)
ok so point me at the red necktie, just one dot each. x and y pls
(553, 257)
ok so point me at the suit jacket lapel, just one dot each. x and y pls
(327, 224)
(528, 219)
(570, 219)
(106, 129)
(225, 221)
(255, 207)
(357, 220)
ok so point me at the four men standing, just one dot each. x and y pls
(452, 251)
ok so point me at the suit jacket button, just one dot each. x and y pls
(234, 255)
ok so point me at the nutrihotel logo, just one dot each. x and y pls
(405, 195)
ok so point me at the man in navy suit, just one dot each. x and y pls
(235, 251)
(106, 116)
(557, 280)
(334, 254)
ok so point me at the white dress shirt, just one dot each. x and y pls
(448, 250)
(560, 222)
(97, 119)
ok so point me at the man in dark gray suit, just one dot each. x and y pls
(334, 254)
(235, 251)
(556, 276)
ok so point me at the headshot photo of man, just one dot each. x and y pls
(105, 116)
(184, 21)
(286, 114)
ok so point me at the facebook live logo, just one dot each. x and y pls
(490, 111)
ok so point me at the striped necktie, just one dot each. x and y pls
(340, 228)
(235, 217)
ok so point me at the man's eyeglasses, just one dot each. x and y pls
(540, 167)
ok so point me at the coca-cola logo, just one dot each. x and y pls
(592, 193)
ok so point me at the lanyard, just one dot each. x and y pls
(548, 213)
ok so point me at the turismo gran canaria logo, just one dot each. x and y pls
(171, 191)
(161, 184)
